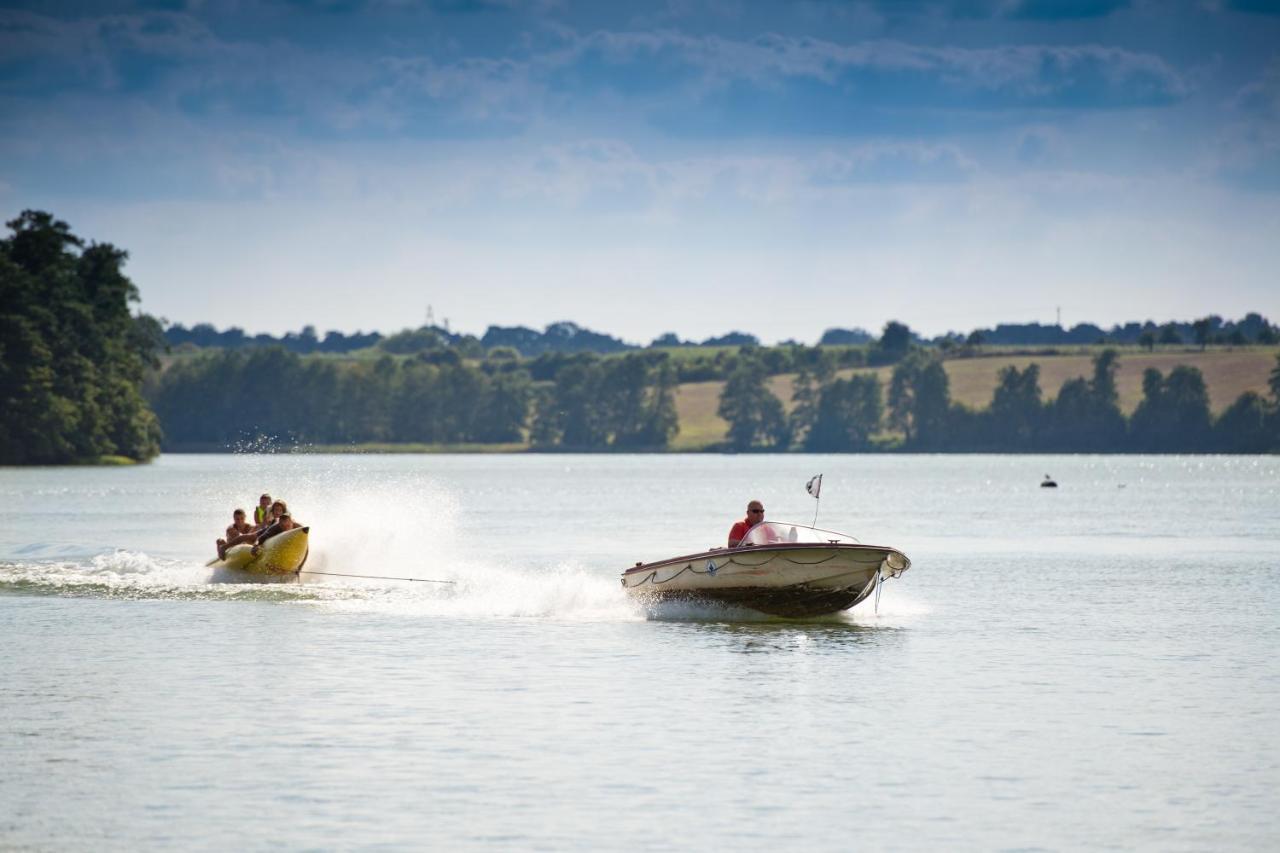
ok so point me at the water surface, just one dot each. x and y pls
(1088, 667)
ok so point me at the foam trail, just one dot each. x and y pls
(126, 574)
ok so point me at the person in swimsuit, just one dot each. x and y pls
(239, 531)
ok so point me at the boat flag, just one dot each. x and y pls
(814, 486)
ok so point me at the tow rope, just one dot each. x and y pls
(371, 577)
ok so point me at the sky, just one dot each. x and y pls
(690, 166)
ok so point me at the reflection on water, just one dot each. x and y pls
(808, 636)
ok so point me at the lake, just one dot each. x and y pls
(1094, 666)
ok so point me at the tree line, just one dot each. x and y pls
(228, 398)
(74, 362)
(853, 414)
(566, 337)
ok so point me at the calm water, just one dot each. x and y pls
(1091, 667)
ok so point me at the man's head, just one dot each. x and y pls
(755, 512)
(264, 501)
(238, 516)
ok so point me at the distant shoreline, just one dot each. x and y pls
(524, 449)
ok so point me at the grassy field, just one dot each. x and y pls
(1228, 373)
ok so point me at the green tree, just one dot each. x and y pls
(417, 403)
(571, 415)
(72, 358)
(1174, 413)
(1247, 426)
(849, 413)
(754, 414)
(659, 422)
(36, 423)
(504, 408)
(1086, 415)
(894, 343)
(410, 341)
(919, 400)
(1016, 408)
(544, 431)
(812, 375)
(1202, 329)
(624, 398)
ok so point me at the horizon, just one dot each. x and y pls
(671, 167)
(874, 333)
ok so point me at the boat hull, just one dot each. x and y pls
(282, 554)
(790, 580)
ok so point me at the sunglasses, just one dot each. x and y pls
(755, 510)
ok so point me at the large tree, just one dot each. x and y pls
(1086, 415)
(849, 413)
(1016, 408)
(72, 357)
(894, 343)
(754, 414)
(919, 400)
(1247, 426)
(812, 376)
(1174, 413)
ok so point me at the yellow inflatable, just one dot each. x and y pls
(282, 554)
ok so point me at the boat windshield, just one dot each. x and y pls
(775, 532)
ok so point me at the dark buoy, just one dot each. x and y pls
(1048, 483)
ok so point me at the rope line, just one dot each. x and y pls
(372, 577)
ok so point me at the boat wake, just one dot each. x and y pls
(131, 575)
(565, 592)
(410, 537)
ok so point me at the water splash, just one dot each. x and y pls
(381, 522)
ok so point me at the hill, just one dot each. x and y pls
(1227, 372)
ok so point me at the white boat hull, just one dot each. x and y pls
(794, 580)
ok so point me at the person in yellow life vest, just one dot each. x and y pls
(262, 513)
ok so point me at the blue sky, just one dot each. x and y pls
(691, 166)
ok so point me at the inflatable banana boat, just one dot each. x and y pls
(282, 554)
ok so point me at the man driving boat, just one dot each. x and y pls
(755, 515)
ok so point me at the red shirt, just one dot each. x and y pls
(739, 530)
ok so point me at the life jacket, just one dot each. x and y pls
(260, 514)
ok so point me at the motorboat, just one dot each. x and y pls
(282, 554)
(780, 569)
